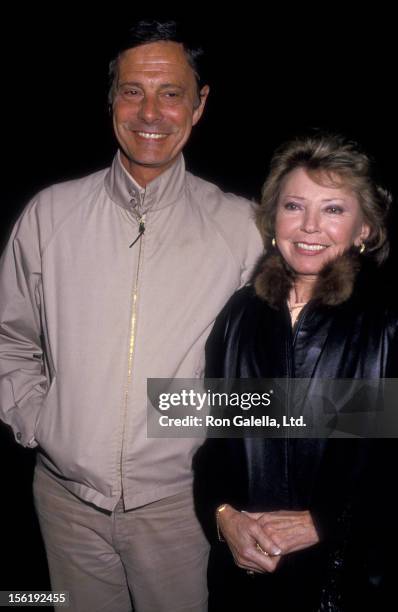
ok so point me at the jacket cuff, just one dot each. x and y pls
(22, 420)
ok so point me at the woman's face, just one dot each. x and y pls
(316, 223)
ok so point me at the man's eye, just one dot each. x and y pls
(172, 94)
(129, 92)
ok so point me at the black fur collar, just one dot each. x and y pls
(273, 280)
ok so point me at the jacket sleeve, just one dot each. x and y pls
(255, 250)
(216, 346)
(22, 380)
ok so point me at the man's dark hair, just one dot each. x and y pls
(145, 32)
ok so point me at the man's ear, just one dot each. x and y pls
(197, 113)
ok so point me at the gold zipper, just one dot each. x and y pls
(133, 322)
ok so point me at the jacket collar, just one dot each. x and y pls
(273, 279)
(163, 191)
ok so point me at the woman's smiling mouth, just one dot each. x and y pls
(310, 248)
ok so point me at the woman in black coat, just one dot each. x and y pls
(297, 524)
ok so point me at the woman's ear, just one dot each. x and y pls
(364, 234)
(365, 231)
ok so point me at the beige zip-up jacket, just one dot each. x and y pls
(85, 319)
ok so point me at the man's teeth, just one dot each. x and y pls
(151, 136)
(311, 247)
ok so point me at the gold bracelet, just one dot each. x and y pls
(218, 512)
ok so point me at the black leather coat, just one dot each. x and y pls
(346, 331)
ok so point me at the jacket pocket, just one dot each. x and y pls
(46, 413)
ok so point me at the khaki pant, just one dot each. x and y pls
(155, 555)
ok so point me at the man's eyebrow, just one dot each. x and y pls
(173, 85)
(131, 83)
(162, 86)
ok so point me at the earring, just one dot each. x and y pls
(362, 248)
(273, 242)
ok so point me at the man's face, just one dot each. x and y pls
(156, 103)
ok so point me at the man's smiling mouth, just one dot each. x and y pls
(152, 135)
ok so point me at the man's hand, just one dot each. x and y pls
(251, 546)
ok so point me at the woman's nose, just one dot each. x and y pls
(310, 222)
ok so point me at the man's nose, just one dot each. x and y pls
(149, 110)
(310, 221)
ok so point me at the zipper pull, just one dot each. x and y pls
(141, 230)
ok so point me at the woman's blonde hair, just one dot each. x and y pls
(333, 159)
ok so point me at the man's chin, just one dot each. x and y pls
(148, 162)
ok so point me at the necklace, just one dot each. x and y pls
(294, 306)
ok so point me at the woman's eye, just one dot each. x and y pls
(334, 210)
(291, 206)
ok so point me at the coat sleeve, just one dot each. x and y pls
(216, 481)
(22, 380)
(351, 517)
(356, 473)
(208, 489)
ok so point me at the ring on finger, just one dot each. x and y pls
(261, 550)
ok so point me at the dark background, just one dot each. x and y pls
(272, 75)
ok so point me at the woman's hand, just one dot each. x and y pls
(289, 530)
(251, 545)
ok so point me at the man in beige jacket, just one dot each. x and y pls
(107, 281)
